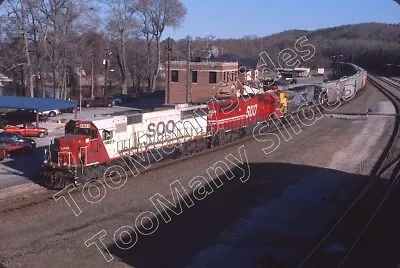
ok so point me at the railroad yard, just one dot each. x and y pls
(272, 212)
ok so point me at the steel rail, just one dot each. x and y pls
(379, 169)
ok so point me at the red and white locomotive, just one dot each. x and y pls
(90, 146)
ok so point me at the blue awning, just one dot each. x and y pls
(38, 104)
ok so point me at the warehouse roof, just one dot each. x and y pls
(38, 104)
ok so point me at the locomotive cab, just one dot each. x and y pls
(72, 149)
(80, 147)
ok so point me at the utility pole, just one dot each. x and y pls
(105, 77)
(106, 62)
(189, 75)
(80, 90)
(167, 88)
(338, 68)
(92, 76)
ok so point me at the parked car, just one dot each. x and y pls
(27, 130)
(97, 102)
(50, 113)
(4, 153)
(70, 110)
(116, 100)
(18, 139)
(125, 98)
(15, 147)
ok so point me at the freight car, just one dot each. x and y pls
(307, 95)
(90, 146)
(346, 88)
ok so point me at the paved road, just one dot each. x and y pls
(290, 196)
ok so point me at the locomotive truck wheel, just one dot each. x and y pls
(186, 149)
(177, 153)
(242, 133)
(55, 182)
(215, 141)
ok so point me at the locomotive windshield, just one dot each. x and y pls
(78, 128)
(77, 131)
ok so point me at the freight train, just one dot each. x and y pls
(89, 147)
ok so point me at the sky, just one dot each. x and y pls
(237, 18)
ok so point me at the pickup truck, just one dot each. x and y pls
(98, 102)
(27, 130)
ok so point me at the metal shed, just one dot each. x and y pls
(37, 104)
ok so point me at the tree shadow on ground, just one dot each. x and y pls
(259, 223)
(26, 164)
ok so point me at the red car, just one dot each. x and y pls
(27, 130)
(4, 154)
(98, 102)
(15, 147)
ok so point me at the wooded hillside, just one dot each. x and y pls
(370, 45)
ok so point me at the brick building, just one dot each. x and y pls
(207, 80)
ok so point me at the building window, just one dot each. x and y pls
(225, 77)
(212, 77)
(174, 76)
(194, 76)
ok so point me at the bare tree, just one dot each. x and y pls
(56, 23)
(157, 15)
(136, 61)
(17, 15)
(121, 25)
(143, 18)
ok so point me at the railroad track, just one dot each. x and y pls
(390, 81)
(347, 231)
(397, 81)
